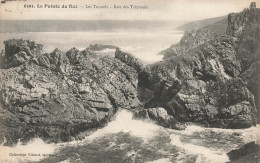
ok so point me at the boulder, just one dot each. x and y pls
(247, 153)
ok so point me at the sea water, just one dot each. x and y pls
(126, 139)
(144, 44)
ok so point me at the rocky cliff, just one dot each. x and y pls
(212, 80)
(245, 27)
(206, 79)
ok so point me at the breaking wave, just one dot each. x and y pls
(126, 139)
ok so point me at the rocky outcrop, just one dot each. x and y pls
(56, 96)
(99, 47)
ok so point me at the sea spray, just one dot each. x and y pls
(204, 154)
(212, 144)
(129, 140)
(124, 122)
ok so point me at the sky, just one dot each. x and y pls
(174, 10)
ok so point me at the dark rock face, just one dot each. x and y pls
(56, 96)
(249, 152)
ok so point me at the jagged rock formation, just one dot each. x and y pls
(55, 96)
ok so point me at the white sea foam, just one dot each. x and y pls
(191, 129)
(251, 134)
(124, 122)
(204, 154)
(209, 154)
(146, 55)
(162, 160)
(248, 134)
(65, 161)
(107, 50)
